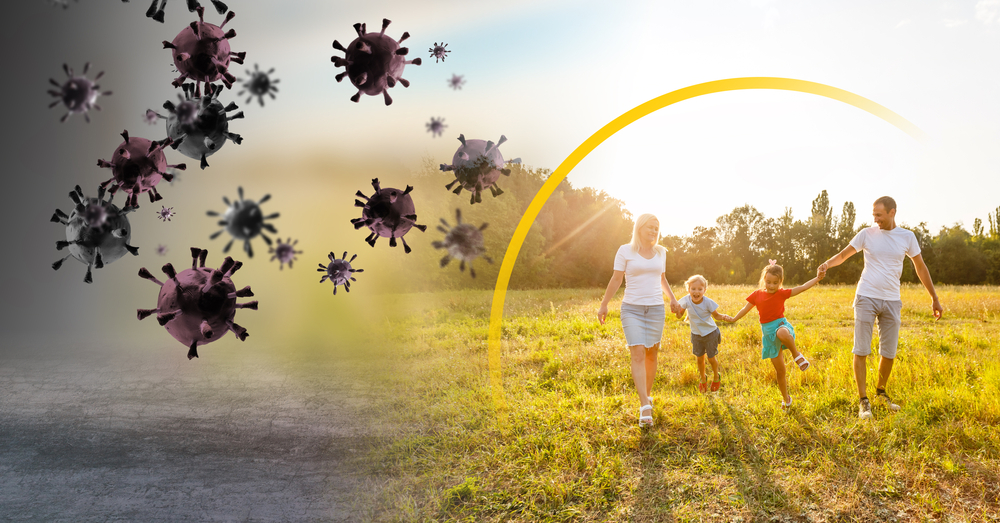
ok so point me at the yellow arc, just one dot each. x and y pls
(557, 176)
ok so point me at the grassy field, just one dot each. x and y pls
(571, 449)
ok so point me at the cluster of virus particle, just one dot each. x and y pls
(198, 305)
(436, 126)
(201, 52)
(439, 51)
(259, 84)
(137, 166)
(464, 242)
(339, 271)
(388, 213)
(155, 10)
(284, 252)
(477, 165)
(78, 94)
(456, 81)
(199, 125)
(166, 213)
(373, 61)
(244, 221)
(97, 231)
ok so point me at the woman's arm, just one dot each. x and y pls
(674, 306)
(820, 274)
(613, 285)
(743, 312)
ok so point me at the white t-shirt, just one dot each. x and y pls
(642, 276)
(884, 254)
(700, 314)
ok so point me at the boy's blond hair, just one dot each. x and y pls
(696, 277)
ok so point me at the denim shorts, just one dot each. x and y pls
(643, 324)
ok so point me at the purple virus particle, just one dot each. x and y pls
(244, 221)
(198, 305)
(373, 61)
(161, 250)
(284, 252)
(166, 213)
(155, 10)
(464, 242)
(436, 126)
(97, 231)
(439, 51)
(78, 94)
(339, 272)
(199, 125)
(259, 84)
(201, 52)
(456, 81)
(136, 167)
(388, 213)
(477, 165)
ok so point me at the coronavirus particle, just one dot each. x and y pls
(97, 231)
(388, 213)
(477, 165)
(284, 252)
(439, 51)
(202, 53)
(464, 242)
(373, 61)
(198, 305)
(244, 221)
(155, 10)
(137, 166)
(456, 81)
(339, 271)
(166, 213)
(161, 250)
(436, 126)
(78, 93)
(259, 84)
(199, 125)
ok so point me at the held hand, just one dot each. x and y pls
(602, 313)
(820, 274)
(676, 307)
(938, 310)
(822, 268)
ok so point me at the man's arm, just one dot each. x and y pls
(839, 258)
(925, 277)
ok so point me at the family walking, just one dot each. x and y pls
(642, 264)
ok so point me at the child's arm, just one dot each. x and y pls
(721, 317)
(680, 310)
(743, 312)
(820, 274)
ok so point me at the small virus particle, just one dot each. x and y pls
(244, 221)
(388, 213)
(373, 61)
(339, 272)
(199, 125)
(456, 81)
(436, 126)
(439, 51)
(198, 305)
(61, 3)
(477, 165)
(97, 231)
(137, 166)
(201, 52)
(161, 250)
(464, 242)
(156, 13)
(284, 253)
(78, 94)
(165, 214)
(259, 84)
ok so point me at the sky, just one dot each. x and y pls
(545, 74)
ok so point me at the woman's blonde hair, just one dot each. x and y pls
(774, 270)
(698, 278)
(640, 222)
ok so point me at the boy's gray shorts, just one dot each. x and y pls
(707, 344)
(866, 312)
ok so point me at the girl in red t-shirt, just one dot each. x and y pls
(776, 332)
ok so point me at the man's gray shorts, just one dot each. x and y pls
(866, 312)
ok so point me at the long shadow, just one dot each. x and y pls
(652, 496)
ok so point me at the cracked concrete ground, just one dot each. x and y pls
(104, 435)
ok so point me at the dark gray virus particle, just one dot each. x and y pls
(373, 61)
(244, 221)
(97, 231)
(464, 242)
(439, 51)
(284, 252)
(259, 84)
(456, 81)
(436, 126)
(477, 165)
(78, 94)
(155, 10)
(388, 213)
(199, 125)
(339, 271)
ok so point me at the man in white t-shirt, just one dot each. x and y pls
(877, 297)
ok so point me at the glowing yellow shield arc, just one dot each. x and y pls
(717, 86)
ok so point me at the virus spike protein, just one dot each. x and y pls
(374, 62)
(388, 213)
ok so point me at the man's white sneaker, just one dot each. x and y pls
(865, 409)
(883, 398)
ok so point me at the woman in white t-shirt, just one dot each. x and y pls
(641, 263)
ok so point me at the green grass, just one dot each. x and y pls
(571, 449)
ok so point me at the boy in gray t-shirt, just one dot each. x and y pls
(705, 335)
